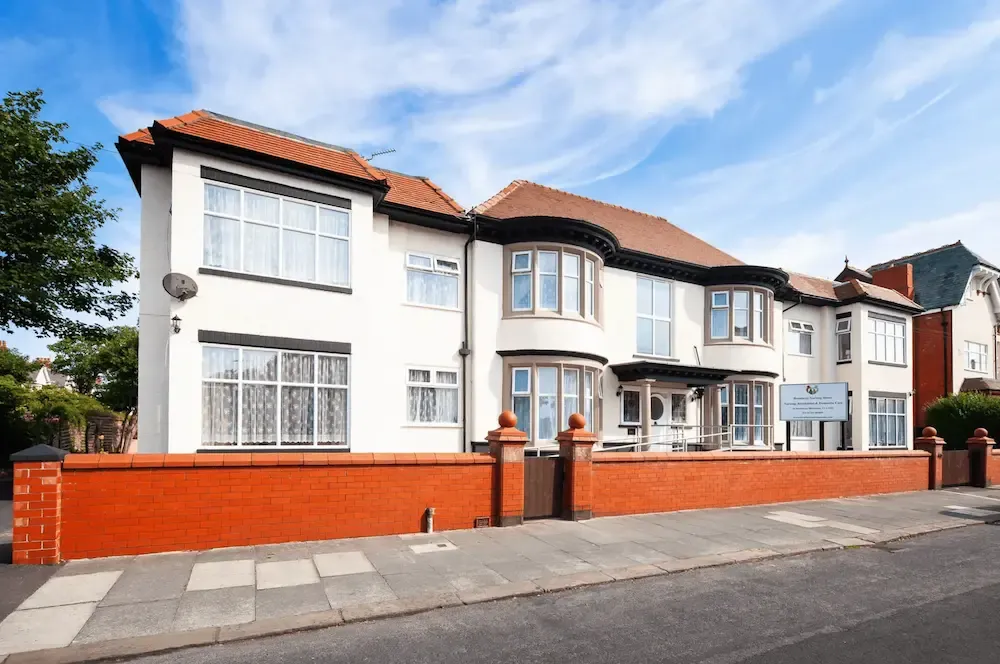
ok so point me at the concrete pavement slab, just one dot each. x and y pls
(399, 607)
(222, 574)
(143, 583)
(36, 629)
(394, 561)
(520, 570)
(472, 580)
(90, 566)
(229, 553)
(490, 593)
(128, 620)
(354, 589)
(62, 590)
(269, 553)
(291, 601)
(566, 581)
(338, 564)
(416, 584)
(211, 608)
(286, 573)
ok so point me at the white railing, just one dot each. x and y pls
(694, 438)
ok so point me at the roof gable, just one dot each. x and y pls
(635, 230)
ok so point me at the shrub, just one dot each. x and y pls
(31, 416)
(956, 417)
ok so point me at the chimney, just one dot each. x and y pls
(898, 278)
(3, 345)
(47, 361)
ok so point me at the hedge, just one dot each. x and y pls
(957, 416)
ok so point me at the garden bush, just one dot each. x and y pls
(957, 416)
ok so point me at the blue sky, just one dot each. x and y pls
(787, 132)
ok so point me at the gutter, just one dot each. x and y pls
(465, 350)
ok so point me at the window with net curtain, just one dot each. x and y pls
(535, 393)
(262, 397)
(257, 233)
(432, 280)
(432, 396)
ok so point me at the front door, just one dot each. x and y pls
(659, 416)
(668, 413)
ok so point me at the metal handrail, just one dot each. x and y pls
(723, 438)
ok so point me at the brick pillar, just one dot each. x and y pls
(931, 442)
(576, 447)
(980, 458)
(507, 447)
(37, 505)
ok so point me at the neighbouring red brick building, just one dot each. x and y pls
(955, 338)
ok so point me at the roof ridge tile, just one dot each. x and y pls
(889, 263)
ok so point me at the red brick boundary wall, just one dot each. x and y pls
(92, 506)
(630, 483)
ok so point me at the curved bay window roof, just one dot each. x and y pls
(690, 375)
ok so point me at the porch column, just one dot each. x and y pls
(576, 447)
(507, 447)
(646, 390)
(981, 458)
(931, 442)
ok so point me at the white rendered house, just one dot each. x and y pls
(345, 307)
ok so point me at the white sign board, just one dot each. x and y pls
(816, 402)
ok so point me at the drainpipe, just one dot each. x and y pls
(946, 348)
(465, 350)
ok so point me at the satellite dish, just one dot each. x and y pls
(180, 286)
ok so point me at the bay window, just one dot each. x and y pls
(254, 397)
(550, 281)
(543, 396)
(737, 314)
(432, 280)
(739, 413)
(887, 421)
(653, 317)
(432, 396)
(275, 236)
(887, 339)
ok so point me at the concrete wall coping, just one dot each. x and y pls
(639, 457)
(231, 460)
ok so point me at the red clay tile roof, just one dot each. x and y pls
(410, 191)
(831, 290)
(635, 230)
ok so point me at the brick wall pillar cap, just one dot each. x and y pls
(507, 433)
(39, 453)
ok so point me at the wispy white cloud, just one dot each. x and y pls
(801, 68)
(474, 92)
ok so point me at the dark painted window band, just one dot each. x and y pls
(263, 278)
(237, 180)
(278, 343)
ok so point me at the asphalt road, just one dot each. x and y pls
(931, 599)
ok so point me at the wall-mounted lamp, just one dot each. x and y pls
(176, 324)
(618, 392)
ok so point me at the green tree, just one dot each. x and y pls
(107, 367)
(50, 263)
(17, 366)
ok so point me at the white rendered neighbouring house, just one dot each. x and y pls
(345, 307)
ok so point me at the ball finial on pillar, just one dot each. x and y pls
(577, 421)
(981, 433)
(507, 420)
(930, 432)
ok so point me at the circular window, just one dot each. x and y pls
(656, 409)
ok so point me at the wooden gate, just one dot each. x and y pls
(543, 486)
(955, 468)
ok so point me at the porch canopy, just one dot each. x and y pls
(646, 372)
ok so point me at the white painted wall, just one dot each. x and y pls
(882, 378)
(973, 321)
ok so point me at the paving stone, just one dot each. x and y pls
(284, 625)
(354, 589)
(519, 570)
(604, 559)
(286, 573)
(90, 566)
(339, 564)
(291, 601)
(129, 620)
(37, 629)
(208, 608)
(144, 583)
(79, 589)
(566, 581)
(414, 584)
(633, 572)
(640, 553)
(223, 574)
(400, 607)
(230, 553)
(472, 580)
(270, 553)
(397, 562)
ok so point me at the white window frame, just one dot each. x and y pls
(747, 309)
(879, 339)
(759, 316)
(796, 328)
(571, 282)
(436, 385)
(590, 288)
(243, 220)
(843, 329)
(538, 259)
(878, 422)
(655, 316)
(529, 271)
(567, 410)
(239, 381)
(538, 401)
(736, 406)
(589, 399)
(526, 427)
(621, 407)
(977, 351)
(800, 435)
(722, 308)
(436, 267)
